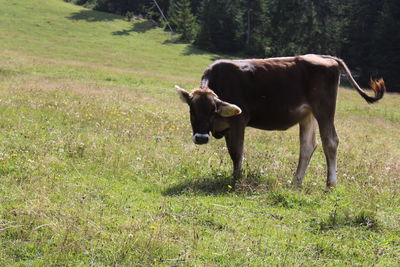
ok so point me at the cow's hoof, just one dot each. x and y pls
(234, 181)
(297, 187)
(329, 188)
(296, 184)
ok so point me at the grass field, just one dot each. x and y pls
(97, 166)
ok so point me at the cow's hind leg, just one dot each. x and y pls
(329, 138)
(330, 142)
(307, 146)
(323, 105)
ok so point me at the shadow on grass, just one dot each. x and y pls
(93, 16)
(139, 27)
(143, 26)
(218, 184)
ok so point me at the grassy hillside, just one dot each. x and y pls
(97, 166)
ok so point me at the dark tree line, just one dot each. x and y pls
(366, 33)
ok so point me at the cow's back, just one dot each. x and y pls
(271, 92)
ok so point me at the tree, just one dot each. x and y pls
(221, 26)
(362, 21)
(182, 18)
(385, 51)
(288, 25)
(257, 28)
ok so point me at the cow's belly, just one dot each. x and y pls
(278, 118)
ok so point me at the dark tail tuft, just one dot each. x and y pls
(379, 88)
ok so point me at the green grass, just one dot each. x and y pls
(97, 166)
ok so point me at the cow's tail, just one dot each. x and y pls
(378, 86)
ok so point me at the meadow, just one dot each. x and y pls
(97, 166)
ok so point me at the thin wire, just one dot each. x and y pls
(162, 14)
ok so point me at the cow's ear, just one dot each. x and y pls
(183, 94)
(225, 109)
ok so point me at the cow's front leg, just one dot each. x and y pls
(234, 141)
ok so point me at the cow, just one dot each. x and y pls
(272, 94)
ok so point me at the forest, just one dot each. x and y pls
(362, 32)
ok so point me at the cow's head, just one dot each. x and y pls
(207, 113)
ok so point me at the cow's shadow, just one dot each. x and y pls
(216, 184)
(201, 186)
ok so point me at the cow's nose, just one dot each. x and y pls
(200, 139)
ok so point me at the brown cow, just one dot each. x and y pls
(272, 94)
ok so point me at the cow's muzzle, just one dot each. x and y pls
(201, 139)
